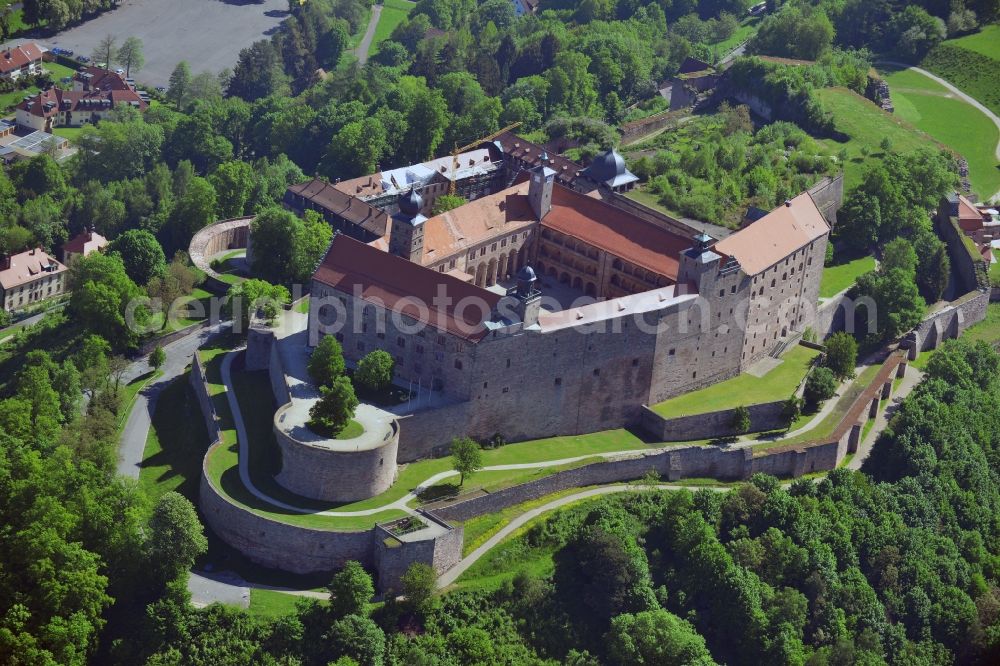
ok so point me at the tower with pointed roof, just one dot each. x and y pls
(540, 189)
(406, 235)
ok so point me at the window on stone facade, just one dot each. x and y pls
(486, 384)
(503, 243)
(401, 341)
(558, 381)
(508, 363)
(773, 282)
(440, 340)
(597, 372)
(694, 375)
(722, 292)
(380, 336)
(482, 251)
(420, 349)
(458, 364)
(506, 389)
(361, 346)
(339, 337)
(441, 268)
(809, 262)
(635, 363)
(472, 256)
(671, 352)
(732, 290)
(493, 248)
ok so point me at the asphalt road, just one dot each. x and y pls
(133, 440)
(208, 34)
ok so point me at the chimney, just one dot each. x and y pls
(90, 233)
(788, 203)
(4, 262)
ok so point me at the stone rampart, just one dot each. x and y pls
(393, 556)
(828, 194)
(950, 321)
(335, 473)
(966, 263)
(279, 545)
(215, 238)
(763, 416)
(198, 382)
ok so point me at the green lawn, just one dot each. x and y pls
(988, 330)
(271, 603)
(866, 125)
(11, 99)
(745, 389)
(302, 307)
(839, 277)
(826, 427)
(58, 71)
(71, 133)
(995, 268)
(394, 12)
(985, 42)
(748, 28)
(931, 107)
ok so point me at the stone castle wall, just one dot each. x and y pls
(279, 545)
(828, 194)
(951, 320)
(763, 416)
(215, 238)
(341, 475)
(394, 556)
(198, 382)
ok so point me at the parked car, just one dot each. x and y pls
(58, 51)
(67, 79)
(120, 71)
(161, 89)
(83, 58)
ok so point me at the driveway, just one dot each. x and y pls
(208, 34)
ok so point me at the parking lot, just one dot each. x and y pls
(208, 34)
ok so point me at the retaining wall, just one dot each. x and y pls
(279, 545)
(950, 321)
(966, 263)
(198, 382)
(215, 238)
(393, 556)
(763, 416)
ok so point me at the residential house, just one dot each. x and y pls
(29, 278)
(95, 94)
(19, 61)
(83, 244)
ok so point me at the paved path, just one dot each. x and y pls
(961, 95)
(452, 574)
(136, 430)
(362, 51)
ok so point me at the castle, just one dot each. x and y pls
(549, 308)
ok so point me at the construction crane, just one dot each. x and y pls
(456, 151)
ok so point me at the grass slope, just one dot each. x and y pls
(745, 389)
(931, 107)
(394, 12)
(972, 64)
(839, 277)
(866, 125)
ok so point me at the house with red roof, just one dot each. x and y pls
(21, 60)
(96, 93)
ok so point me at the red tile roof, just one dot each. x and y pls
(781, 232)
(616, 231)
(402, 286)
(48, 103)
(98, 78)
(514, 146)
(27, 267)
(345, 206)
(84, 243)
(19, 57)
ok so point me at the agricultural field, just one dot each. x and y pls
(932, 108)
(972, 64)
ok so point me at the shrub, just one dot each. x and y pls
(741, 420)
